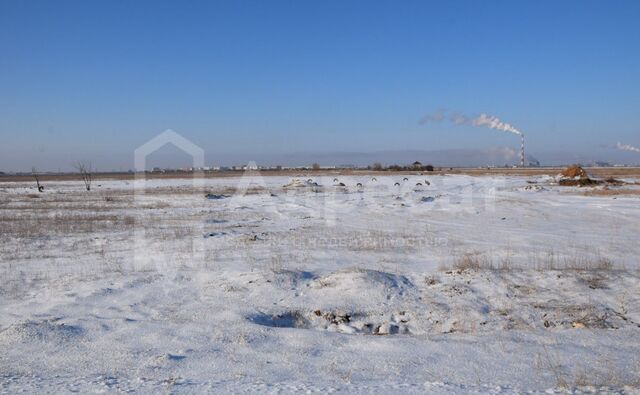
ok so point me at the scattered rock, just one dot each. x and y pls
(212, 196)
(336, 321)
(535, 188)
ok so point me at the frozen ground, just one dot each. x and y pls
(459, 284)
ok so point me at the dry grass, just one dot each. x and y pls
(604, 373)
(30, 226)
(579, 261)
(531, 171)
(24, 217)
(612, 192)
(470, 261)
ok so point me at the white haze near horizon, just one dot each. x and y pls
(171, 157)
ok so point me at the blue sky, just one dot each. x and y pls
(96, 79)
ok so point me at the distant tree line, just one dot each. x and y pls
(414, 166)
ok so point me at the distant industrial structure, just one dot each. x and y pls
(522, 149)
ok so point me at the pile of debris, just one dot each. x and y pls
(535, 188)
(614, 181)
(575, 176)
(213, 196)
(298, 183)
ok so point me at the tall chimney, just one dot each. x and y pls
(522, 150)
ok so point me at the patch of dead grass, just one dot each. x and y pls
(612, 192)
(580, 261)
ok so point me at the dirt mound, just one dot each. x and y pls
(576, 176)
(363, 279)
(40, 331)
(577, 182)
(288, 279)
(574, 171)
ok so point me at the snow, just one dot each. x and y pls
(277, 284)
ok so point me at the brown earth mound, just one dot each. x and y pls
(574, 171)
(613, 181)
(578, 182)
(576, 176)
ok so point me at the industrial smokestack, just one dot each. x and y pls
(483, 120)
(491, 122)
(521, 149)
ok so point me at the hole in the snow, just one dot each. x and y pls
(340, 322)
(215, 221)
(285, 320)
(214, 234)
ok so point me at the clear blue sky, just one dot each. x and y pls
(82, 79)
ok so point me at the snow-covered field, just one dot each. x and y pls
(443, 284)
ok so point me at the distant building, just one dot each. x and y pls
(534, 163)
(250, 167)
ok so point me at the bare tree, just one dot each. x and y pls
(85, 172)
(35, 175)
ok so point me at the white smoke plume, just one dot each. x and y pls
(627, 147)
(459, 119)
(504, 152)
(494, 123)
(483, 120)
(437, 116)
